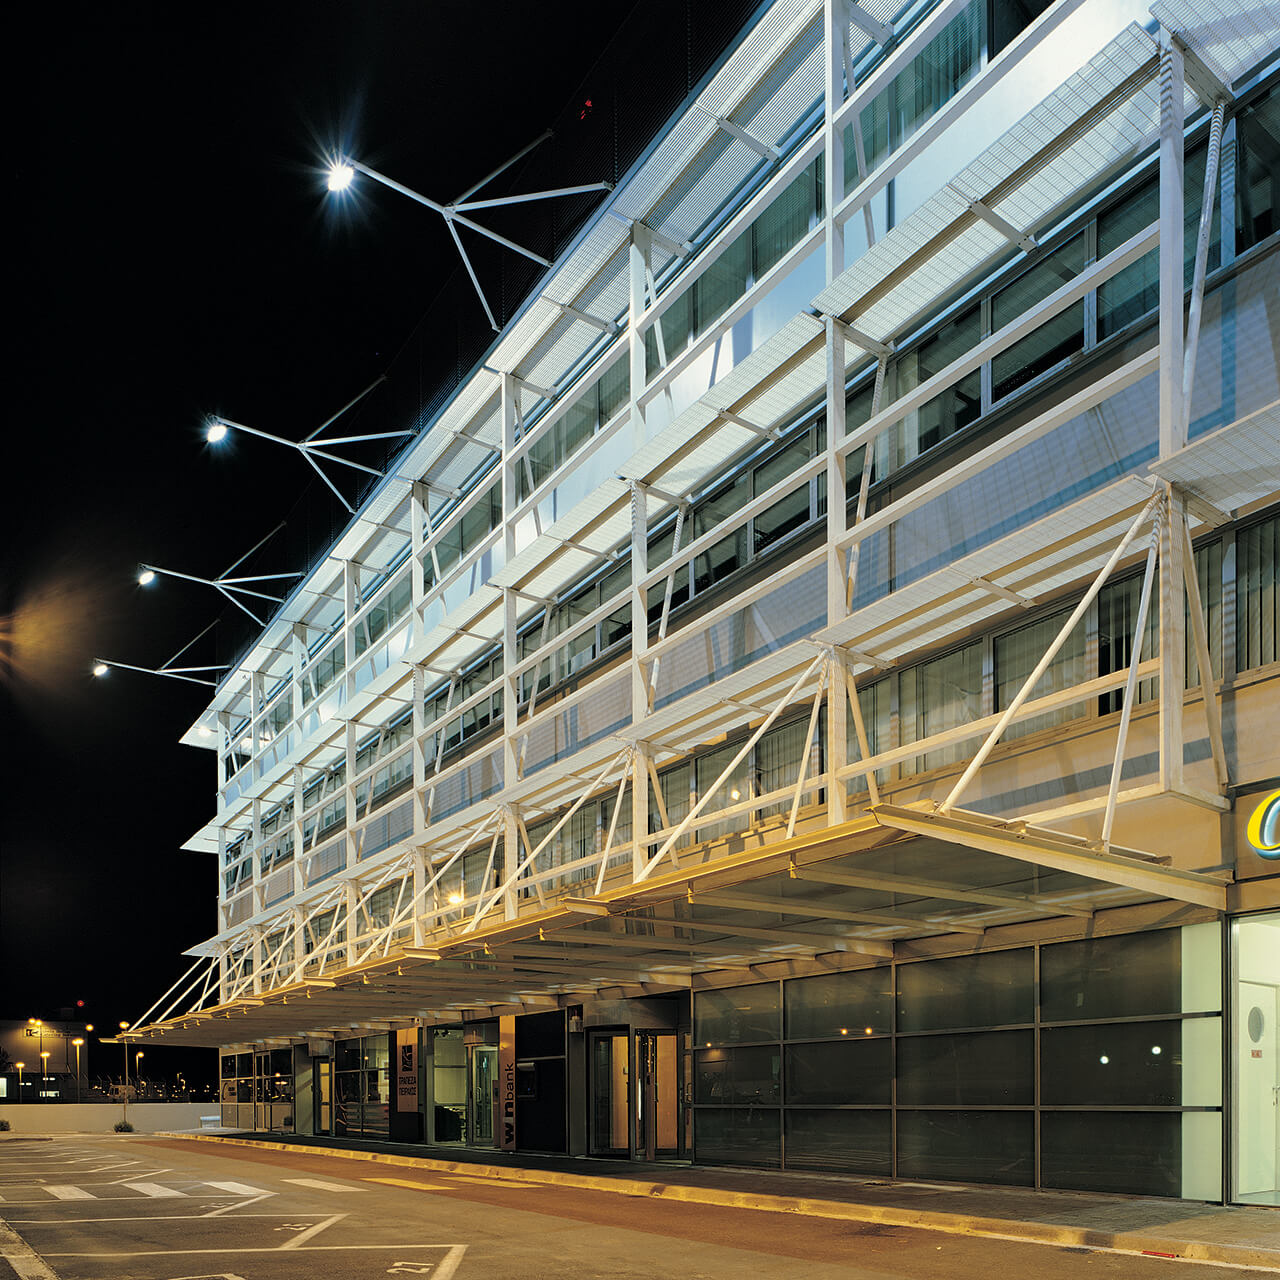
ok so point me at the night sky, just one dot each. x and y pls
(173, 253)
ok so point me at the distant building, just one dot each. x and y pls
(25, 1041)
(610, 789)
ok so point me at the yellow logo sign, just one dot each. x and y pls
(1263, 831)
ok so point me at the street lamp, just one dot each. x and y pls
(343, 169)
(77, 1042)
(19, 1065)
(124, 1115)
(44, 1073)
(137, 1070)
(309, 447)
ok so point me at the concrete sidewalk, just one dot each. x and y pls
(1242, 1236)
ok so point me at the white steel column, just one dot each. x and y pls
(510, 698)
(833, 26)
(1173, 420)
(640, 762)
(1172, 212)
(838, 692)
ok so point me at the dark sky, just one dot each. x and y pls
(172, 252)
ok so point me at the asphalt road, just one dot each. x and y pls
(135, 1208)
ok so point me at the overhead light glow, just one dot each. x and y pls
(100, 668)
(146, 577)
(217, 431)
(340, 176)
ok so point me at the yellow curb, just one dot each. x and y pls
(1246, 1256)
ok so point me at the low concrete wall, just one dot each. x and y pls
(100, 1117)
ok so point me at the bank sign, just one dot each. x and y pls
(1263, 830)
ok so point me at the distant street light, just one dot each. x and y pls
(19, 1065)
(77, 1042)
(124, 1115)
(44, 1073)
(137, 1070)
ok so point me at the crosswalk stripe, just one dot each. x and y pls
(154, 1189)
(239, 1189)
(71, 1193)
(322, 1186)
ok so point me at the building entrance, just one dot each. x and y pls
(638, 1095)
(1256, 1069)
(482, 1093)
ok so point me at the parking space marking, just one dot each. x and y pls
(240, 1189)
(323, 1186)
(154, 1189)
(71, 1193)
(404, 1182)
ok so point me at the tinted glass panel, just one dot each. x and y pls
(844, 1071)
(971, 1146)
(747, 1136)
(839, 1141)
(994, 1068)
(740, 1014)
(840, 1003)
(739, 1076)
(1139, 1153)
(967, 991)
(1122, 977)
(1141, 1064)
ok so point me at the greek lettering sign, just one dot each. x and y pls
(407, 1070)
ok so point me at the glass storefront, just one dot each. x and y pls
(362, 1087)
(1085, 1065)
(256, 1091)
(1255, 1070)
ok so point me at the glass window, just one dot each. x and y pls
(838, 1141)
(1009, 18)
(743, 1076)
(840, 1072)
(939, 695)
(1257, 171)
(1017, 654)
(856, 1003)
(950, 410)
(746, 1136)
(786, 221)
(736, 1015)
(1053, 341)
(1129, 976)
(1117, 617)
(990, 1068)
(1141, 1064)
(996, 989)
(1257, 600)
(967, 1146)
(1132, 1153)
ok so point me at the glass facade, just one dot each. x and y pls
(1033, 1066)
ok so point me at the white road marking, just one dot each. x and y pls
(323, 1186)
(315, 1248)
(26, 1263)
(71, 1193)
(154, 1189)
(239, 1189)
(300, 1239)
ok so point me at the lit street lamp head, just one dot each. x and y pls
(216, 431)
(100, 668)
(146, 577)
(340, 176)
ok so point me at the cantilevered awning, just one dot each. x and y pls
(894, 875)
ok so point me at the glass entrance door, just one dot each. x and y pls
(1256, 1043)
(610, 1071)
(482, 1093)
(659, 1099)
(323, 1084)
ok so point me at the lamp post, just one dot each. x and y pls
(44, 1072)
(124, 1115)
(39, 1026)
(137, 1070)
(88, 1027)
(19, 1065)
(77, 1042)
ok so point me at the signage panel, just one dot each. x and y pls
(507, 1083)
(407, 1070)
